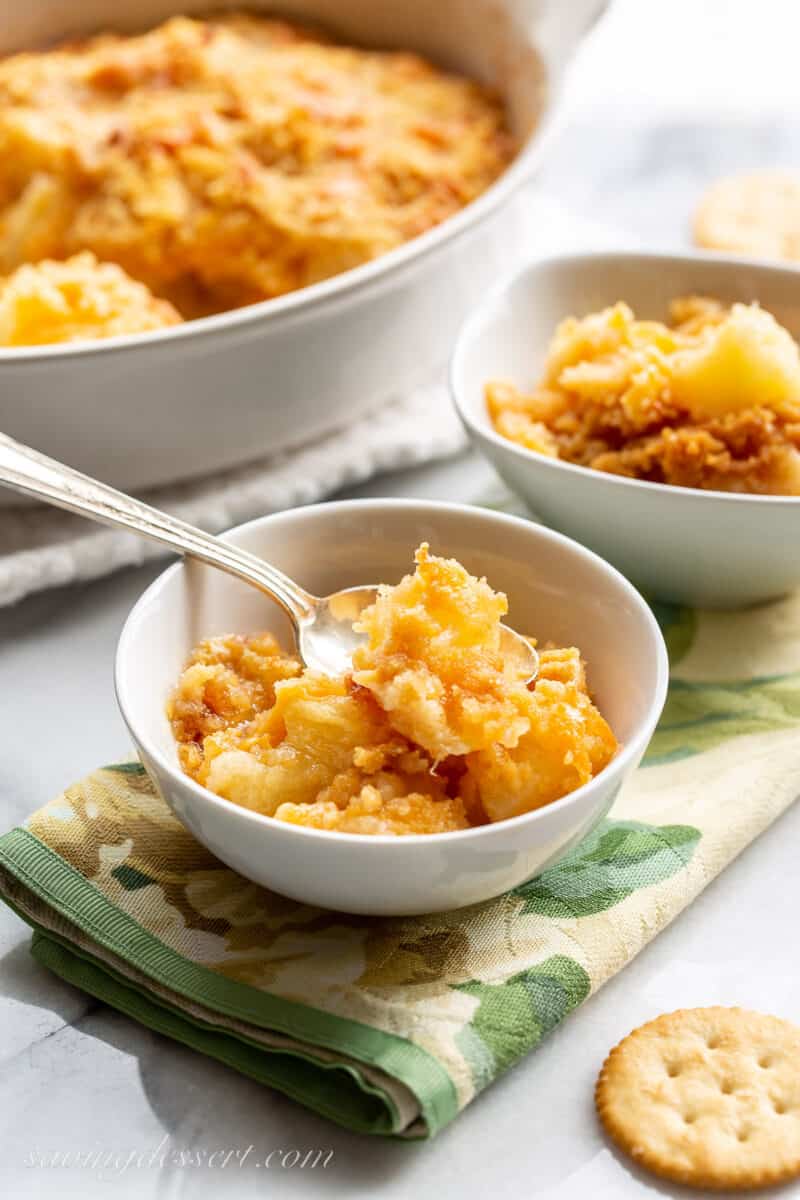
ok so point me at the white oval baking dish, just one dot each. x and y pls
(142, 410)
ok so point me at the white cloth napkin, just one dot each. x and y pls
(44, 547)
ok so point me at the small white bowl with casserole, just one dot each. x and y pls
(556, 590)
(705, 547)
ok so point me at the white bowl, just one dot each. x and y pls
(152, 408)
(556, 590)
(706, 548)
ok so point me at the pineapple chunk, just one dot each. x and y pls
(747, 361)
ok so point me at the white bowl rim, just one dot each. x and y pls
(481, 315)
(336, 287)
(619, 764)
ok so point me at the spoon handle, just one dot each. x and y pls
(28, 471)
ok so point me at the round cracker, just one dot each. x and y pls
(757, 213)
(708, 1097)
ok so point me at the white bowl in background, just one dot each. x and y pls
(152, 408)
(711, 549)
(557, 590)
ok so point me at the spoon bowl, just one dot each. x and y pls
(328, 640)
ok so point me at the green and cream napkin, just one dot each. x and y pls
(393, 1026)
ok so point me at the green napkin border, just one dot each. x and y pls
(362, 1107)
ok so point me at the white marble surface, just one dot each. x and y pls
(77, 1077)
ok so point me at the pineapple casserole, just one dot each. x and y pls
(431, 732)
(232, 159)
(711, 400)
(76, 299)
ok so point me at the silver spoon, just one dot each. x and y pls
(323, 626)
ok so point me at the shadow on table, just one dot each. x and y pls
(675, 1191)
(28, 983)
(202, 1105)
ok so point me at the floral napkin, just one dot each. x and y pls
(393, 1026)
